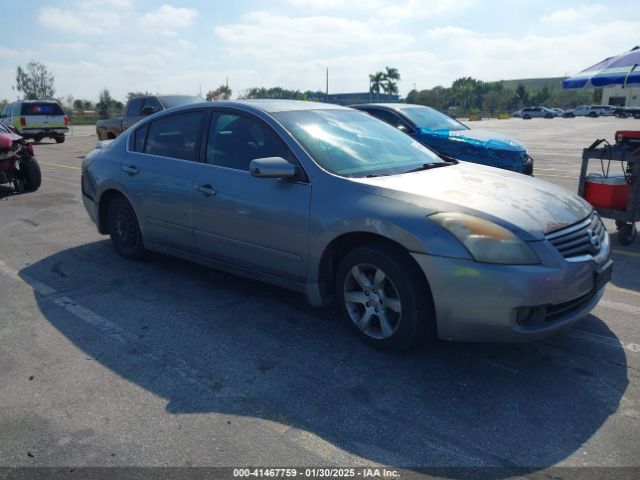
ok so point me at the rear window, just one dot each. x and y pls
(41, 108)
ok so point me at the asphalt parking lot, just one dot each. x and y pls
(105, 362)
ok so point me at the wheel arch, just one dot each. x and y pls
(340, 246)
(103, 207)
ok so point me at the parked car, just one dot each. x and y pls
(136, 109)
(534, 112)
(559, 111)
(36, 119)
(451, 138)
(331, 202)
(18, 164)
(626, 112)
(589, 111)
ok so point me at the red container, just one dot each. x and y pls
(611, 192)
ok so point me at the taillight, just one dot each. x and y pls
(66, 121)
(23, 122)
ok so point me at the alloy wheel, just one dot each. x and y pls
(125, 227)
(372, 301)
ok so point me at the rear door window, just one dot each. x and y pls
(139, 139)
(176, 136)
(41, 108)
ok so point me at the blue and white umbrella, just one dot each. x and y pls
(621, 70)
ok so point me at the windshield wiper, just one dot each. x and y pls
(429, 166)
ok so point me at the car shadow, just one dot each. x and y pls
(626, 260)
(211, 342)
(6, 191)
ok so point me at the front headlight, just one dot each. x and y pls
(486, 241)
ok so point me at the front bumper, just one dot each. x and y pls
(496, 303)
(91, 207)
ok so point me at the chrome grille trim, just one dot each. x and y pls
(575, 240)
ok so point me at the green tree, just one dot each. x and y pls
(35, 81)
(131, 95)
(466, 93)
(376, 83)
(279, 92)
(391, 78)
(107, 106)
(78, 105)
(541, 97)
(223, 92)
(521, 96)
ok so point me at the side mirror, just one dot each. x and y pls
(148, 110)
(272, 167)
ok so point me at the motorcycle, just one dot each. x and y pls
(18, 164)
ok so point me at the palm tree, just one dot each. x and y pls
(391, 77)
(225, 92)
(376, 82)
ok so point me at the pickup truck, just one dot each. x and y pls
(136, 109)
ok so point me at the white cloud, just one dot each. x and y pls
(267, 35)
(167, 20)
(11, 53)
(576, 15)
(385, 8)
(86, 17)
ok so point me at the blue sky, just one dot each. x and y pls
(173, 46)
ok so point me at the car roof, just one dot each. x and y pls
(275, 105)
(390, 106)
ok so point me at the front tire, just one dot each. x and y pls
(30, 173)
(384, 297)
(526, 117)
(124, 229)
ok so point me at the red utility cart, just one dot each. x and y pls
(616, 193)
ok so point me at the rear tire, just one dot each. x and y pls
(384, 298)
(124, 230)
(59, 139)
(30, 173)
(627, 233)
(593, 114)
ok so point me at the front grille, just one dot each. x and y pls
(583, 238)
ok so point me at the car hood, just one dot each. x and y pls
(480, 138)
(513, 200)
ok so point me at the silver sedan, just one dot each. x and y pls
(340, 206)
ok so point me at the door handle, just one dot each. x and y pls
(131, 170)
(207, 190)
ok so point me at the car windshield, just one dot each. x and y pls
(172, 101)
(354, 144)
(425, 117)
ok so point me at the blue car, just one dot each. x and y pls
(451, 138)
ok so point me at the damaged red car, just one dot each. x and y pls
(18, 164)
